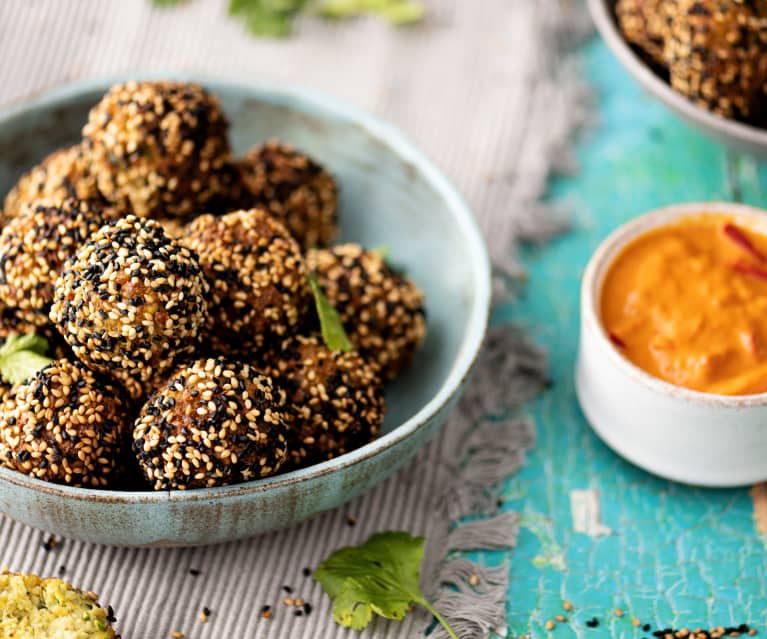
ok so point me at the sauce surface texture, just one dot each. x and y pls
(687, 303)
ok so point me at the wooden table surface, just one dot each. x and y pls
(667, 554)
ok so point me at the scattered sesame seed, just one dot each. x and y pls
(194, 572)
(351, 520)
(593, 622)
(549, 625)
(618, 612)
(567, 605)
(306, 572)
(636, 622)
(288, 601)
(561, 618)
(177, 634)
(474, 580)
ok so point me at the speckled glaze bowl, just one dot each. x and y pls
(680, 434)
(392, 195)
(736, 135)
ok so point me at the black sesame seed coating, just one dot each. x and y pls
(158, 147)
(215, 422)
(259, 289)
(717, 54)
(382, 311)
(64, 425)
(34, 246)
(337, 398)
(295, 189)
(130, 302)
(65, 173)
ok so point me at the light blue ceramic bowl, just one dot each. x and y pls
(390, 194)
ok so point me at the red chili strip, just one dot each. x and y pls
(749, 269)
(617, 340)
(741, 239)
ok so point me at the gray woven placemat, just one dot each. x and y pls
(485, 88)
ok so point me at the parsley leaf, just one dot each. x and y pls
(381, 576)
(333, 333)
(21, 356)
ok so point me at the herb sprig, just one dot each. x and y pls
(275, 17)
(381, 576)
(21, 356)
(333, 333)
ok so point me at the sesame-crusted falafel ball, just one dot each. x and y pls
(65, 173)
(63, 425)
(158, 146)
(259, 290)
(644, 24)
(130, 302)
(31, 607)
(717, 54)
(34, 246)
(381, 310)
(215, 422)
(293, 188)
(337, 399)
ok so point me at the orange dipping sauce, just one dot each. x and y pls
(687, 303)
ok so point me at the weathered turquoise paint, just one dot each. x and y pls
(680, 556)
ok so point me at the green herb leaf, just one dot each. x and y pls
(381, 576)
(168, 3)
(382, 251)
(333, 333)
(21, 356)
(267, 17)
(398, 12)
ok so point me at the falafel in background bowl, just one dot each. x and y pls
(399, 227)
(706, 61)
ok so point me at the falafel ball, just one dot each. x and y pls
(64, 425)
(337, 398)
(65, 173)
(34, 246)
(158, 146)
(215, 422)
(644, 24)
(295, 189)
(34, 607)
(130, 302)
(258, 278)
(717, 54)
(382, 311)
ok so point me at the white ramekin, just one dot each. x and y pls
(684, 435)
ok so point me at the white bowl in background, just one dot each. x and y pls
(680, 434)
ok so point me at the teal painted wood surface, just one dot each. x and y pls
(678, 556)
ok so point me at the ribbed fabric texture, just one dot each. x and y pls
(478, 85)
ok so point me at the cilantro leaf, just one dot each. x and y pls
(333, 333)
(267, 17)
(21, 356)
(381, 576)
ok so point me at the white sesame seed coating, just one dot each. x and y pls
(35, 244)
(214, 422)
(65, 173)
(64, 425)
(644, 24)
(130, 302)
(160, 147)
(259, 288)
(295, 189)
(337, 399)
(382, 311)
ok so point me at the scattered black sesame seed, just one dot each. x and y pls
(266, 608)
(50, 544)
(593, 622)
(299, 613)
(306, 572)
(206, 611)
(646, 627)
(62, 570)
(307, 608)
(351, 520)
(194, 572)
(287, 589)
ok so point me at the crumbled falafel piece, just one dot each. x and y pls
(717, 54)
(382, 311)
(34, 246)
(215, 422)
(64, 425)
(130, 302)
(65, 173)
(259, 288)
(337, 398)
(158, 146)
(32, 607)
(295, 189)
(644, 24)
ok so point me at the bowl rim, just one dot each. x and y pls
(603, 258)
(603, 17)
(326, 106)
